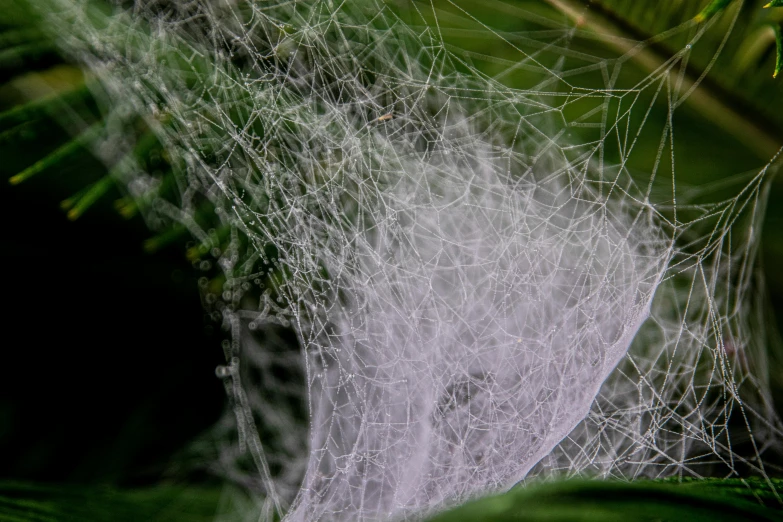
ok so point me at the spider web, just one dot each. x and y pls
(489, 278)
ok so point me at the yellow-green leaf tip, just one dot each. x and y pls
(151, 245)
(125, 207)
(712, 8)
(774, 3)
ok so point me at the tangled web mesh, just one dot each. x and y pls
(466, 270)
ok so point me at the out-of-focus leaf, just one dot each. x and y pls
(166, 237)
(607, 501)
(712, 8)
(38, 503)
(63, 153)
(779, 49)
(774, 3)
(50, 105)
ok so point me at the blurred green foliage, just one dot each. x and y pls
(568, 501)
(24, 502)
(587, 501)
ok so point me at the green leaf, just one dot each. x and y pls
(64, 152)
(610, 501)
(37, 502)
(23, 54)
(79, 203)
(774, 3)
(50, 105)
(167, 237)
(712, 8)
(779, 48)
(90, 196)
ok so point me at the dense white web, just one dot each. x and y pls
(482, 293)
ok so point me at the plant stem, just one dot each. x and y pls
(703, 97)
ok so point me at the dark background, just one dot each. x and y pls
(107, 360)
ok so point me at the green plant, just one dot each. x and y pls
(317, 149)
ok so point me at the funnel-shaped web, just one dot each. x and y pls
(476, 322)
(463, 273)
